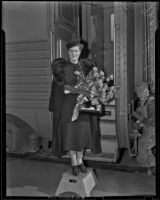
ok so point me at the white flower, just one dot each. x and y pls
(95, 69)
(110, 95)
(107, 79)
(100, 83)
(111, 77)
(94, 101)
(112, 88)
(106, 87)
(77, 73)
(96, 75)
(101, 73)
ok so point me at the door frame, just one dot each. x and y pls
(120, 65)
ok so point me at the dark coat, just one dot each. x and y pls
(62, 107)
(55, 106)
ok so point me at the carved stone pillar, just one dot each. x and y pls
(121, 72)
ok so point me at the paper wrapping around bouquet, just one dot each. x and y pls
(79, 109)
(90, 110)
(75, 112)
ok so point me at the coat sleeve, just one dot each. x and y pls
(58, 71)
(56, 97)
(59, 74)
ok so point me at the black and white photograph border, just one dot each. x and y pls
(79, 88)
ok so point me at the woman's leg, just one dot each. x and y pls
(79, 157)
(75, 169)
(73, 158)
(81, 166)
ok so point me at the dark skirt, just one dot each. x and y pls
(83, 133)
(78, 134)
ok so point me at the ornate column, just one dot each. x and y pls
(150, 10)
(121, 72)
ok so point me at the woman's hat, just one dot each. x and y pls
(73, 43)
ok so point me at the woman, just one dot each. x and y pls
(83, 133)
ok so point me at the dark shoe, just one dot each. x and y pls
(82, 168)
(75, 170)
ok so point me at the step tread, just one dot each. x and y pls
(109, 137)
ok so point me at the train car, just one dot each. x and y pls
(36, 33)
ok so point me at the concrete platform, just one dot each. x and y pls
(25, 177)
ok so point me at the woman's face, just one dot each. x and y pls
(74, 53)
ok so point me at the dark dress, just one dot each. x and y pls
(83, 133)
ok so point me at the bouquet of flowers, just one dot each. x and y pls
(96, 88)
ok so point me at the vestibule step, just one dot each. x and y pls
(108, 128)
(109, 146)
(103, 157)
(109, 137)
(109, 113)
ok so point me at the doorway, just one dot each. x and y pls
(98, 31)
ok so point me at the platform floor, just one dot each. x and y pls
(37, 178)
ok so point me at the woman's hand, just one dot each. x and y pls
(67, 92)
(69, 89)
